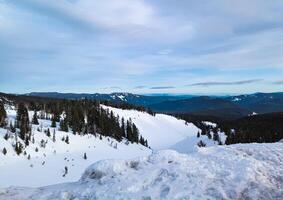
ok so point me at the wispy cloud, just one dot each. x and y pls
(112, 87)
(140, 87)
(162, 87)
(164, 51)
(95, 44)
(216, 83)
(278, 82)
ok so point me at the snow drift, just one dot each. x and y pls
(250, 171)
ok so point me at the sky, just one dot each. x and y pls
(141, 46)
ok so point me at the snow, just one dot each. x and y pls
(118, 170)
(161, 131)
(237, 99)
(213, 125)
(189, 144)
(253, 113)
(47, 165)
(122, 97)
(242, 171)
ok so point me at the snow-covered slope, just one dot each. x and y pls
(249, 171)
(47, 164)
(161, 131)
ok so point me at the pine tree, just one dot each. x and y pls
(54, 136)
(3, 115)
(135, 134)
(64, 125)
(123, 127)
(142, 141)
(4, 151)
(129, 131)
(201, 144)
(19, 148)
(26, 141)
(67, 139)
(6, 136)
(12, 128)
(198, 134)
(85, 157)
(216, 137)
(53, 122)
(34, 118)
(48, 133)
(42, 144)
(22, 120)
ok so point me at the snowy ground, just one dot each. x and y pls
(131, 171)
(243, 171)
(46, 166)
(161, 131)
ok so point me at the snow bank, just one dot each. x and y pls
(243, 171)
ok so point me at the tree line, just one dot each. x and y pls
(78, 116)
(257, 128)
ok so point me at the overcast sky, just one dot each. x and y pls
(141, 46)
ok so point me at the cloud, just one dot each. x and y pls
(165, 52)
(206, 84)
(112, 87)
(96, 43)
(162, 87)
(278, 83)
(140, 87)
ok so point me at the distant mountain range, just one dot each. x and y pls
(230, 107)
(136, 99)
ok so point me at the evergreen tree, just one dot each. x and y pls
(4, 151)
(129, 131)
(3, 115)
(54, 136)
(135, 134)
(67, 139)
(34, 118)
(201, 144)
(6, 136)
(12, 128)
(26, 141)
(19, 148)
(216, 137)
(48, 133)
(123, 127)
(91, 117)
(85, 157)
(198, 134)
(53, 122)
(64, 125)
(22, 121)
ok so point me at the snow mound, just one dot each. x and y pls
(243, 171)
